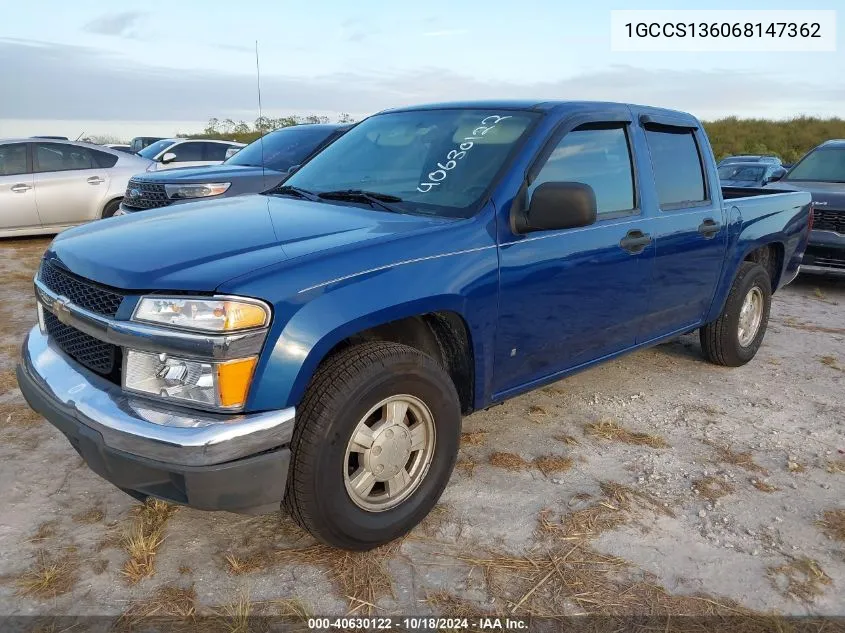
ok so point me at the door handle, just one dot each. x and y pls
(635, 241)
(95, 180)
(709, 228)
(21, 188)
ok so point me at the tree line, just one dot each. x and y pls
(789, 139)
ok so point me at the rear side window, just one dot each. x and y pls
(13, 159)
(598, 156)
(216, 151)
(103, 160)
(678, 171)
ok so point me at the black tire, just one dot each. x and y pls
(341, 392)
(111, 208)
(720, 339)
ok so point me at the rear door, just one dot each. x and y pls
(215, 153)
(17, 189)
(688, 227)
(572, 296)
(71, 182)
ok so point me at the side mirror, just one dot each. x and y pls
(558, 205)
(293, 168)
(169, 157)
(776, 175)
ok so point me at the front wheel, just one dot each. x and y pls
(734, 338)
(374, 445)
(111, 208)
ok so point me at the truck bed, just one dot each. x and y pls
(732, 193)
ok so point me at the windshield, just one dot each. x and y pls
(282, 149)
(151, 151)
(738, 171)
(823, 165)
(438, 162)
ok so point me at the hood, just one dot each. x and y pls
(200, 245)
(825, 194)
(209, 173)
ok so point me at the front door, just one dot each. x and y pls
(572, 296)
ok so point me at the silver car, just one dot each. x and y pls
(47, 186)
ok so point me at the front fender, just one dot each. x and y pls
(319, 318)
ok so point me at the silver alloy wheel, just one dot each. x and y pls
(389, 453)
(750, 316)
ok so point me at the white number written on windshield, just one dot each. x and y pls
(454, 156)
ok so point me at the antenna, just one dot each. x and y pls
(260, 116)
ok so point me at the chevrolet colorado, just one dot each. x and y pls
(317, 346)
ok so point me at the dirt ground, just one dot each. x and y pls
(654, 484)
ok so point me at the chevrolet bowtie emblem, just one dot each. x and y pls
(61, 308)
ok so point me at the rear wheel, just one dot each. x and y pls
(375, 443)
(111, 208)
(734, 338)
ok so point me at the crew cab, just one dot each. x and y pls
(259, 166)
(822, 172)
(318, 346)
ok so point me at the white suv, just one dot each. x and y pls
(180, 152)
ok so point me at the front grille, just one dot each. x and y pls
(829, 220)
(96, 355)
(81, 292)
(145, 195)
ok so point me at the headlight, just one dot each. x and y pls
(181, 192)
(204, 315)
(221, 385)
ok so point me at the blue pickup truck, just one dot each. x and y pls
(318, 346)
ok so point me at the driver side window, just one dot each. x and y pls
(598, 156)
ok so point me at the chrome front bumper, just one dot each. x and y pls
(140, 427)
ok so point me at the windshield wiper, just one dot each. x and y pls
(375, 198)
(290, 190)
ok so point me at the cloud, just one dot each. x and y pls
(53, 81)
(118, 24)
(445, 33)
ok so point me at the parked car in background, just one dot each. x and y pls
(170, 153)
(749, 158)
(822, 172)
(55, 138)
(120, 147)
(318, 346)
(140, 142)
(47, 186)
(742, 174)
(259, 166)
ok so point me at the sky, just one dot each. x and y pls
(158, 67)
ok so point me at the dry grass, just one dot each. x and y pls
(473, 438)
(536, 413)
(90, 516)
(551, 464)
(50, 576)
(234, 616)
(435, 520)
(99, 565)
(712, 488)
(144, 537)
(166, 602)
(763, 486)
(807, 327)
(609, 430)
(833, 524)
(795, 467)
(831, 362)
(743, 460)
(613, 510)
(46, 530)
(836, 466)
(804, 579)
(8, 381)
(14, 414)
(567, 439)
(466, 466)
(508, 461)
(184, 570)
(447, 605)
(246, 564)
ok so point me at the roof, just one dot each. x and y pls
(834, 142)
(749, 163)
(30, 139)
